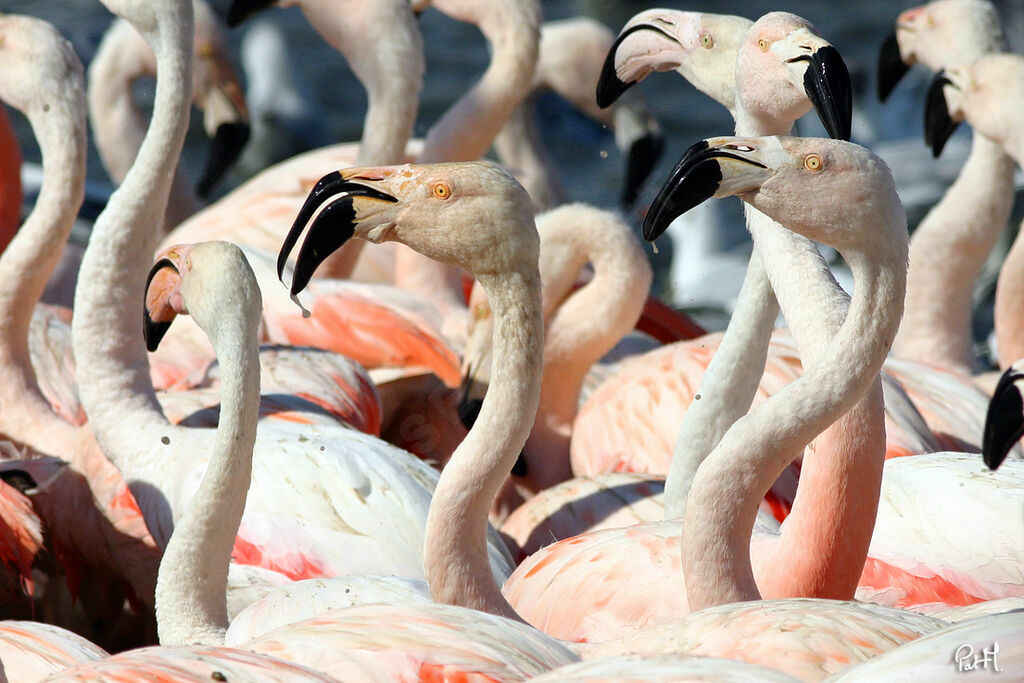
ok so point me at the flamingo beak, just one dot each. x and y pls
(827, 84)
(162, 305)
(228, 143)
(240, 10)
(344, 210)
(1004, 423)
(891, 66)
(638, 134)
(717, 167)
(938, 124)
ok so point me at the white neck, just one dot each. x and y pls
(113, 369)
(947, 253)
(455, 552)
(191, 602)
(31, 257)
(468, 128)
(118, 126)
(587, 323)
(729, 384)
(730, 484)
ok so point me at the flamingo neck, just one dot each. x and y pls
(114, 381)
(947, 253)
(469, 127)
(1009, 307)
(118, 126)
(191, 600)
(455, 550)
(31, 257)
(586, 325)
(730, 382)
(729, 486)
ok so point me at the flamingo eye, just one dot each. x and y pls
(813, 162)
(707, 40)
(763, 44)
(441, 191)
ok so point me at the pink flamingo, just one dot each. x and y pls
(92, 518)
(950, 245)
(191, 602)
(118, 396)
(972, 92)
(394, 204)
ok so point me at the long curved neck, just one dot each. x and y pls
(118, 126)
(454, 543)
(26, 264)
(468, 128)
(588, 323)
(191, 602)
(1009, 310)
(116, 390)
(729, 384)
(947, 253)
(729, 486)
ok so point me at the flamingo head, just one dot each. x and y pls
(820, 188)
(784, 68)
(700, 46)
(938, 35)
(469, 214)
(986, 93)
(201, 280)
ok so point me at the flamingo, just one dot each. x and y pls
(975, 92)
(211, 282)
(391, 496)
(952, 242)
(407, 203)
(90, 514)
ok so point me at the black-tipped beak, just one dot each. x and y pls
(828, 87)
(225, 149)
(938, 125)
(19, 479)
(1004, 423)
(609, 86)
(640, 161)
(696, 178)
(332, 227)
(154, 330)
(890, 65)
(240, 10)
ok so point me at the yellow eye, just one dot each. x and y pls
(763, 44)
(481, 311)
(205, 51)
(813, 162)
(707, 41)
(441, 191)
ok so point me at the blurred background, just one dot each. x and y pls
(590, 165)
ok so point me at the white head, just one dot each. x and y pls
(988, 93)
(831, 191)
(470, 214)
(37, 63)
(700, 46)
(784, 67)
